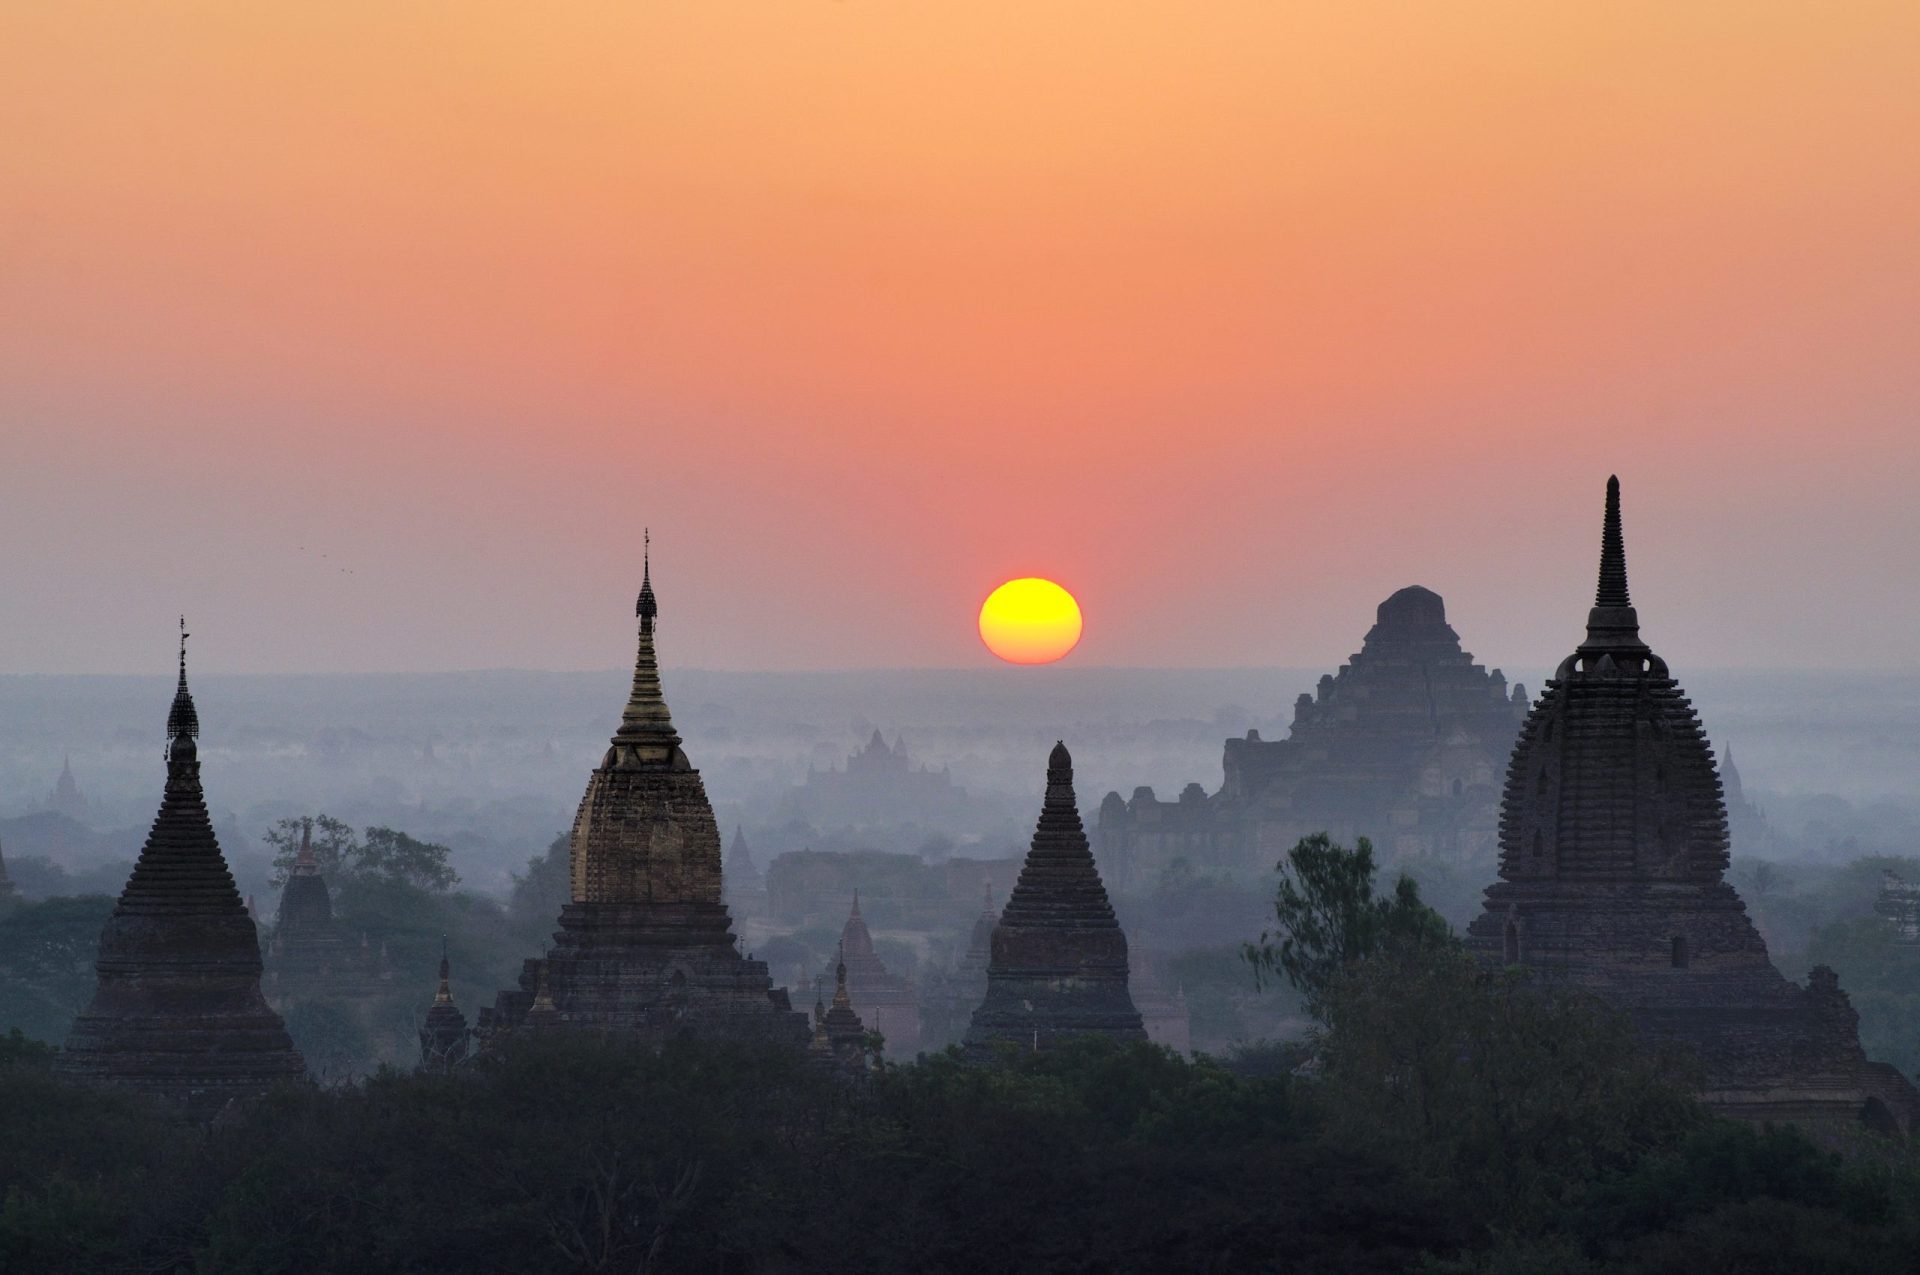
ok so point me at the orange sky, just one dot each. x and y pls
(371, 334)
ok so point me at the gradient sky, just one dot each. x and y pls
(372, 334)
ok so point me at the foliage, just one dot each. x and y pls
(47, 951)
(1518, 1095)
(380, 852)
(570, 1154)
(1328, 916)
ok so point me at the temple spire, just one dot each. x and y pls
(1613, 554)
(304, 864)
(646, 738)
(183, 722)
(1613, 626)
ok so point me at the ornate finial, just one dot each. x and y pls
(182, 720)
(445, 995)
(1613, 554)
(304, 864)
(645, 607)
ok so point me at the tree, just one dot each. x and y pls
(334, 845)
(1328, 916)
(398, 859)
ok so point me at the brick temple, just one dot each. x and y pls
(178, 1012)
(1403, 745)
(887, 1002)
(646, 946)
(1058, 959)
(309, 956)
(1613, 858)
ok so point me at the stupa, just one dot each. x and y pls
(178, 1011)
(1613, 855)
(1058, 962)
(887, 1001)
(443, 1036)
(645, 946)
(308, 956)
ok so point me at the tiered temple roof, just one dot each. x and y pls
(646, 945)
(887, 1001)
(1403, 745)
(308, 956)
(178, 1012)
(1613, 854)
(1058, 963)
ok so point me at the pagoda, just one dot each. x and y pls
(951, 996)
(645, 946)
(839, 1041)
(1613, 858)
(178, 1011)
(443, 1036)
(746, 885)
(887, 1001)
(307, 955)
(1058, 961)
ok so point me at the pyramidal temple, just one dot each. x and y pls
(178, 1012)
(1058, 959)
(1613, 858)
(646, 945)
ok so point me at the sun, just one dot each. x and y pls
(1030, 621)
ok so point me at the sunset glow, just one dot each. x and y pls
(1030, 621)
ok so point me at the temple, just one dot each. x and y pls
(444, 1034)
(308, 957)
(66, 797)
(880, 785)
(646, 947)
(1058, 959)
(887, 1002)
(948, 1002)
(1613, 854)
(745, 884)
(178, 1012)
(1899, 903)
(1403, 746)
(839, 1041)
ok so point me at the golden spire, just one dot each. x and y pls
(646, 739)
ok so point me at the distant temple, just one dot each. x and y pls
(745, 884)
(1058, 962)
(948, 1002)
(1403, 746)
(878, 786)
(1163, 1009)
(839, 1043)
(307, 955)
(1613, 854)
(886, 1001)
(1747, 824)
(178, 1012)
(66, 798)
(444, 1034)
(1899, 902)
(646, 946)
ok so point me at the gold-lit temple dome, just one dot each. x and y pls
(645, 945)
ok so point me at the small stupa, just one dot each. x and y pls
(1058, 962)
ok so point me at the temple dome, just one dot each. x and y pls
(1412, 605)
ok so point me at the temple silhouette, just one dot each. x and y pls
(178, 1011)
(1058, 959)
(1613, 859)
(1403, 745)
